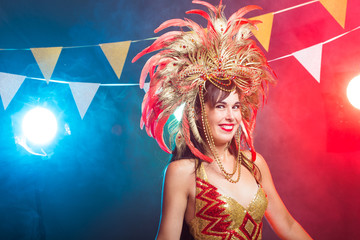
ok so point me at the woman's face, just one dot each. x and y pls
(224, 118)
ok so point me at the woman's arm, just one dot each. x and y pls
(175, 197)
(284, 225)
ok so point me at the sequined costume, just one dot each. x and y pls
(186, 64)
(221, 217)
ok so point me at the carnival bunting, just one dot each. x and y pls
(9, 85)
(83, 94)
(263, 34)
(46, 58)
(146, 87)
(116, 55)
(337, 9)
(310, 58)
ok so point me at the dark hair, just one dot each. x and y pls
(213, 95)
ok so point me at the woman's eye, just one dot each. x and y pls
(236, 107)
(220, 106)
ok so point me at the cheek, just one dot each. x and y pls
(212, 119)
(238, 116)
(212, 114)
(218, 116)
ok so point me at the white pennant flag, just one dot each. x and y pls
(9, 85)
(310, 58)
(83, 94)
(146, 87)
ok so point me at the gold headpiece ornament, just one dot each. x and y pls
(222, 54)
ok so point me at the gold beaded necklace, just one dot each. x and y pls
(210, 141)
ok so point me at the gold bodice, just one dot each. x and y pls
(221, 217)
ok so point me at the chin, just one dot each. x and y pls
(223, 141)
(223, 138)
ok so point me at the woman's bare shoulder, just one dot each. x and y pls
(180, 175)
(259, 158)
(261, 169)
(182, 167)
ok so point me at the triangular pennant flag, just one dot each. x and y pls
(83, 94)
(263, 33)
(116, 55)
(46, 58)
(146, 87)
(337, 9)
(310, 58)
(9, 85)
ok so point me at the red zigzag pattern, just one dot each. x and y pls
(213, 212)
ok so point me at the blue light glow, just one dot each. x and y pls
(39, 126)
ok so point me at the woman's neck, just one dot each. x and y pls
(222, 152)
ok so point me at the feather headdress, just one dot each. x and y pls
(221, 53)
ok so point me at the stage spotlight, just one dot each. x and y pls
(353, 91)
(39, 126)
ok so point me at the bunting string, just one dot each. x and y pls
(152, 38)
(82, 46)
(297, 6)
(136, 84)
(100, 84)
(116, 54)
(325, 42)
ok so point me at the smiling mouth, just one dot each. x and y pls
(227, 127)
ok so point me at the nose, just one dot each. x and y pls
(230, 115)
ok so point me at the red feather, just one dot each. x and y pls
(140, 54)
(183, 23)
(159, 133)
(149, 64)
(162, 42)
(191, 146)
(241, 12)
(148, 107)
(204, 15)
(199, 12)
(199, 30)
(171, 23)
(208, 5)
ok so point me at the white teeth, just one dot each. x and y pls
(227, 127)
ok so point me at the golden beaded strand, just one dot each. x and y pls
(210, 141)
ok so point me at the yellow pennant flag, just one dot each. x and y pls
(116, 55)
(263, 33)
(337, 9)
(46, 58)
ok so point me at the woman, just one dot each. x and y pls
(217, 184)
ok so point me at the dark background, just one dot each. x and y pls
(104, 180)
